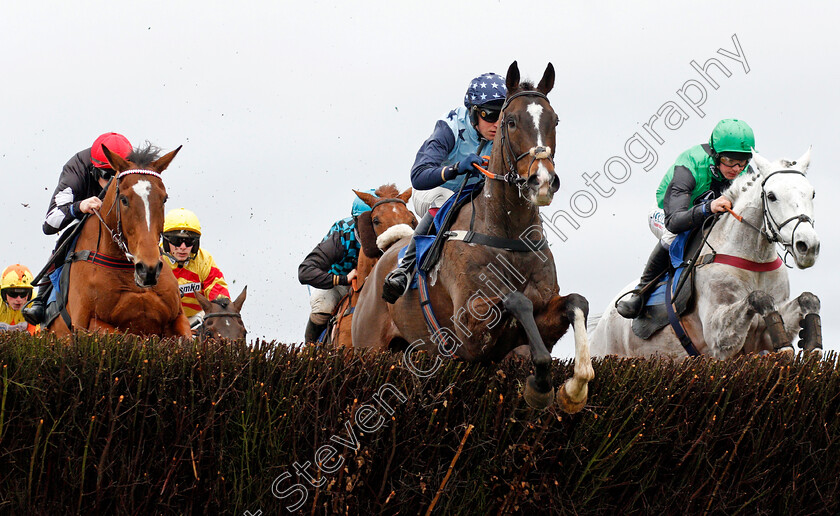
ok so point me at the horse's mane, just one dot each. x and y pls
(222, 301)
(145, 154)
(524, 86)
(387, 191)
(742, 183)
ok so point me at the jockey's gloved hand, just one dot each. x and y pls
(466, 164)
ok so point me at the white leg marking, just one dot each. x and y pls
(143, 188)
(576, 386)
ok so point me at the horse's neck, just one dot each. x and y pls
(738, 238)
(94, 236)
(501, 211)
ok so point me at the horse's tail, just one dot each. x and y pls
(592, 321)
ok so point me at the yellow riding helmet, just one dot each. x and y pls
(16, 276)
(181, 219)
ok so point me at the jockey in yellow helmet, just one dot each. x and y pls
(194, 267)
(16, 291)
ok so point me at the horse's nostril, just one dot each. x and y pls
(555, 183)
(801, 247)
(533, 182)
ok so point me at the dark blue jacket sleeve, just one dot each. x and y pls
(425, 174)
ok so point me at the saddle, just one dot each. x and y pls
(654, 316)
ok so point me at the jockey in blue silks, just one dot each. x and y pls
(456, 144)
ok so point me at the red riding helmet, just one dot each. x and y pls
(115, 142)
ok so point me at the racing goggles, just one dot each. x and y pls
(186, 240)
(489, 114)
(729, 162)
(18, 292)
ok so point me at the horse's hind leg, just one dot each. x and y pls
(539, 392)
(802, 314)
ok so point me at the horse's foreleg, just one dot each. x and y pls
(802, 315)
(539, 392)
(98, 326)
(727, 327)
(181, 327)
(575, 391)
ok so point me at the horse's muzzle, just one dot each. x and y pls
(146, 276)
(543, 185)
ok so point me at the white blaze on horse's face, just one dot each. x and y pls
(143, 188)
(543, 194)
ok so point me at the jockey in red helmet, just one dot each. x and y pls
(79, 185)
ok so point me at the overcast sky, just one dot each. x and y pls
(284, 107)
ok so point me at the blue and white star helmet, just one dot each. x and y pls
(486, 88)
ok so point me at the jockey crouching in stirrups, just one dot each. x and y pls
(330, 269)
(193, 266)
(690, 192)
(451, 151)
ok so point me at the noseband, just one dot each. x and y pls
(510, 157)
(117, 234)
(772, 229)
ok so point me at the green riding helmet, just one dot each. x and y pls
(731, 135)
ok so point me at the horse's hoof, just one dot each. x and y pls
(785, 354)
(534, 398)
(566, 403)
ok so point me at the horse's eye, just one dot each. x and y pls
(376, 221)
(814, 194)
(556, 121)
(165, 199)
(511, 123)
(124, 200)
(771, 197)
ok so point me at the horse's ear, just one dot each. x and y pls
(512, 78)
(204, 302)
(803, 162)
(367, 198)
(237, 305)
(405, 196)
(161, 163)
(761, 164)
(547, 81)
(115, 160)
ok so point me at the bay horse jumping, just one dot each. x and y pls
(503, 292)
(388, 221)
(742, 299)
(222, 318)
(123, 285)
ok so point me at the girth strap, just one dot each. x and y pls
(676, 324)
(508, 244)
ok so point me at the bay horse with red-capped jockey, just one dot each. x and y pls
(118, 282)
(501, 290)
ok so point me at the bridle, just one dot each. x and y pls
(117, 233)
(509, 157)
(771, 230)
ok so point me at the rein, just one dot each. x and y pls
(117, 233)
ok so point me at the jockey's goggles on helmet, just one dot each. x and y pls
(17, 292)
(186, 240)
(105, 173)
(729, 162)
(489, 114)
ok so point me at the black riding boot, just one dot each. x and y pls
(398, 280)
(36, 310)
(631, 306)
(314, 329)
